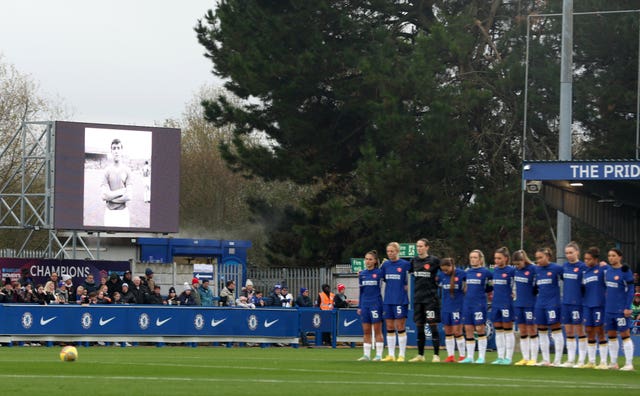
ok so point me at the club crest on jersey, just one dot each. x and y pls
(576, 269)
(479, 275)
(374, 276)
(427, 267)
(526, 273)
(596, 271)
(504, 275)
(548, 273)
(398, 270)
(616, 277)
(455, 279)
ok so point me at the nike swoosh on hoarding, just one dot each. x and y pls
(104, 322)
(214, 322)
(44, 321)
(349, 323)
(161, 322)
(269, 324)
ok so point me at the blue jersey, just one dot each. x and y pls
(503, 287)
(572, 282)
(449, 303)
(620, 290)
(370, 282)
(548, 282)
(395, 277)
(594, 286)
(477, 278)
(524, 280)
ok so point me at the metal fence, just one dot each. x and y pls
(12, 253)
(294, 278)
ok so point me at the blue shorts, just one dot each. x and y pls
(371, 314)
(501, 315)
(593, 316)
(572, 314)
(617, 322)
(476, 316)
(451, 318)
(546, 316)
(524, 315)
(393, 311)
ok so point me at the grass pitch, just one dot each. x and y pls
(174, 370)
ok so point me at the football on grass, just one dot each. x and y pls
(68, 354)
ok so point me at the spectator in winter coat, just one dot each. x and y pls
(186, 298)
(206, 296)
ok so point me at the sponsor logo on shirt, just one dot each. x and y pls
(500, 281)
(571, 276)
(545, 281)
(392, 276)
(612, 284)
(474, 281)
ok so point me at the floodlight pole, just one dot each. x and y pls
(564, 144)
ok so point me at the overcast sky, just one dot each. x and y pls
(115, 61)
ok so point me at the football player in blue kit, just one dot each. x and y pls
(426, 303)
(523, 307)
(370, 305)
(452, 282)
(617, 309)
(593, 308)
(396, 301)
(547, 308)
(572, 319)
(474, 311)
(502, 306)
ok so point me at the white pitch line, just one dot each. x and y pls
(520, 381)
(273, 381)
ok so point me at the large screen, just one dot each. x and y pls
(116, 178)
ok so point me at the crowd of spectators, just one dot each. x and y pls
(130, 289)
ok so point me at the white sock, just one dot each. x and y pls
(500, 343)
(391, 343)
(461, 345)
(402, 344)
(591, 352)
(450, 343)
(482, 346)
(558, 340)
(544, 346)
(603, 347)
(627, 345)
(582, 349)
(613, 350)
(571, 349)
(510, 341)
(367, 349)
(534, 344)
(379, 349)
(524, 348)
(471, 347)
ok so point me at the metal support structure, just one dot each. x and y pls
(563, 223)
(27, 192)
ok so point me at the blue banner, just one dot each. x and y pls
(146, 320)
(579, 170)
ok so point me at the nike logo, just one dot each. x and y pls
(161, 322)
(269, 324)
(349, 323)
(104, 322)
(214, 322)
(44, 321)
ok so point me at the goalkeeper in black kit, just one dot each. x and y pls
(426, 303)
